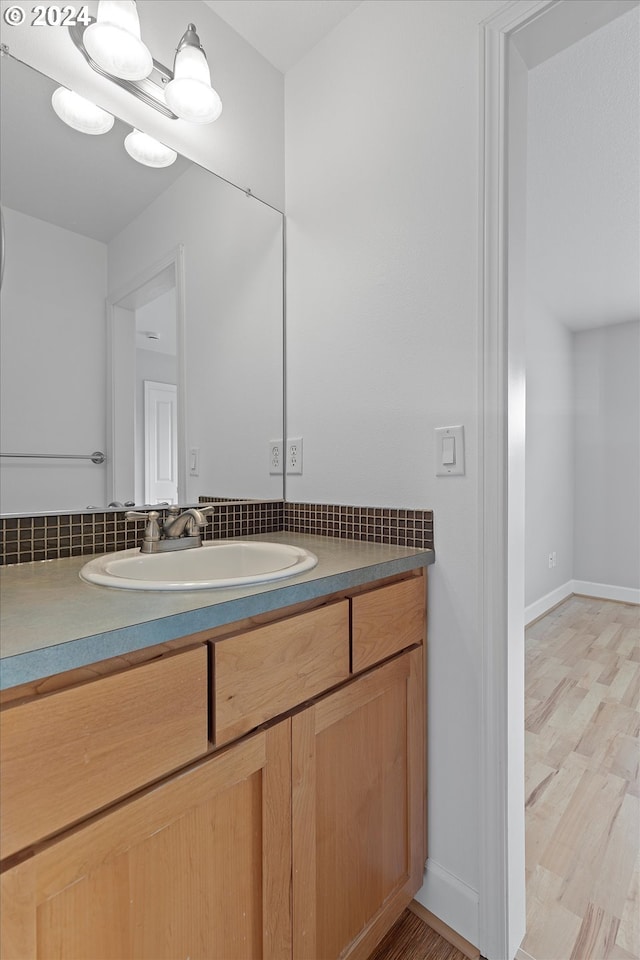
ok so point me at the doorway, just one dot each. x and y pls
(147, 433)
(515, 35)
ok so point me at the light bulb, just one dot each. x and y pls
(148, 151)
(190, 94)
(113, 41)
(79, 113)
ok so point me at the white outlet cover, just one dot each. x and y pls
(294, 456)
(275, 458)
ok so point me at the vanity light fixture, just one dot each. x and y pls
(113, 41)
(190, 94)
(109, 46)
(147, 150)
(79, 113)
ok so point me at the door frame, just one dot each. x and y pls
(502, 908)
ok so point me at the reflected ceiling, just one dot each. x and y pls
(109, 188)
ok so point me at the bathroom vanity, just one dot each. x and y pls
(254, 789)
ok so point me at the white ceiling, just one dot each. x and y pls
(283, 30)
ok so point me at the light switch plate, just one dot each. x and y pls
(449, 446)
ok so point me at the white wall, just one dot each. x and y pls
(382, 332)
(245, 145)
(158, 317)
(550, 454)
(233, 293)
(584, 156)
(583, 461)
(607, 490)
(583, 229)
(53, 345)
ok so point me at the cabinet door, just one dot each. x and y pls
(197, 867)
(358, 769)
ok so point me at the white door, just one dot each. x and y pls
(160, 442)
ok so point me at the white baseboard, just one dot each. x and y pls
(606, 591)
(539, 607)
(600, 591)
(450, 899)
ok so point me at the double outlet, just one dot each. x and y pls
(285, 454)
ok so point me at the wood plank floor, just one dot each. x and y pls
(582, 731)
(411, 939)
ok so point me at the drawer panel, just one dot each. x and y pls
(71, 752)
(386, 621)
(272, 669)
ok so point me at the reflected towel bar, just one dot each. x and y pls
(96, 457)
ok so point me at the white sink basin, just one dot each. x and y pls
(223, 563)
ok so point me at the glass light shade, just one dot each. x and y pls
(79, 113)
(190, 94)
(113, 41)
(148, 151)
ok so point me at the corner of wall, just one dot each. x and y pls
(451, 900)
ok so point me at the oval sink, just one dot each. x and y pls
(223, 563)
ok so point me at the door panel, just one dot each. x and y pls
(358, 810)
(160, 442)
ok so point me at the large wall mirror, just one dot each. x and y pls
(142, 316)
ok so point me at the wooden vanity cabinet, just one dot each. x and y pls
(301, 836)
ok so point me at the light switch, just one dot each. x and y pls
(449, 451)
(194, 461)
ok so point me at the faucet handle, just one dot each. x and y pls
(152, 530)
(206, 508)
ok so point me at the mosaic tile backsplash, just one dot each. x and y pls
(23, 539)
(406, 528)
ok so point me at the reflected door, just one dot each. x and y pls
(160, 442)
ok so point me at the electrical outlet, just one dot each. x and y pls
(294, 455)
(275, 457)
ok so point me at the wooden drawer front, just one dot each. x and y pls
(267, 671)
(70, 753)
(386, 621)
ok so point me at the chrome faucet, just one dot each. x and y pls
(179, 531)
(177, 523)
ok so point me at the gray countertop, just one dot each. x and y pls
(51, 621)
